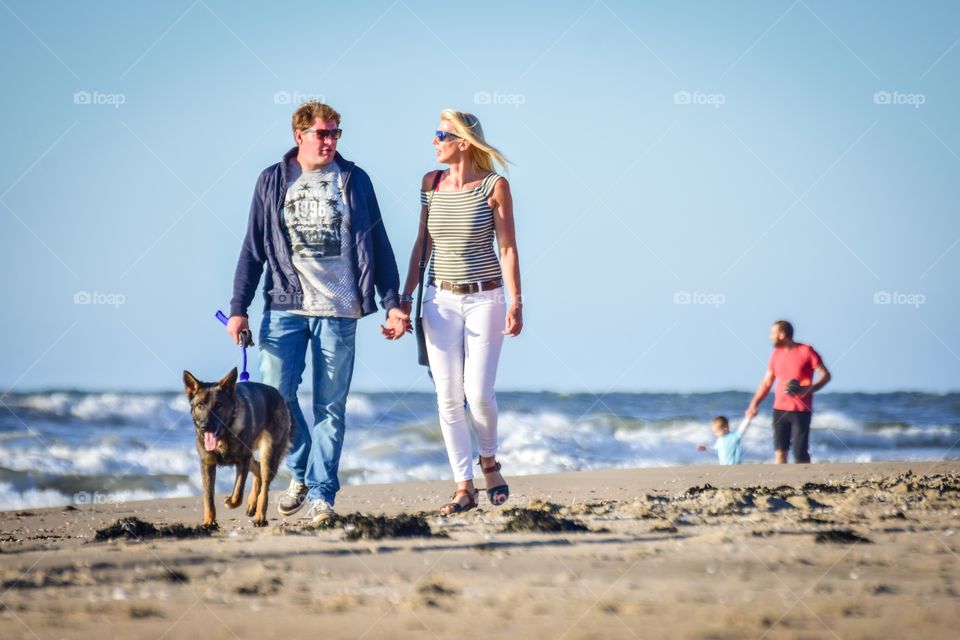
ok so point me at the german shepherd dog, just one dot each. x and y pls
(232, 421)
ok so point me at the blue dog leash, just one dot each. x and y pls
(245, 341)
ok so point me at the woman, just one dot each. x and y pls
(465, 311)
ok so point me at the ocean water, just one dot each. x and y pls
(63, 447)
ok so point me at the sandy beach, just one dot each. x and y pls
(818, 551)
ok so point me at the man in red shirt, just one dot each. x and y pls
(792, 366)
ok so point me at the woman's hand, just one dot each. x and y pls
(407, 308)
(514, 320)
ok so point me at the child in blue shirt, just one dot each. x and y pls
(727, 446)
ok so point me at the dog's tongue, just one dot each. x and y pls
(209, 441)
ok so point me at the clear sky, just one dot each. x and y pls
(684, 174)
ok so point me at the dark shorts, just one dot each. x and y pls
(792, 426)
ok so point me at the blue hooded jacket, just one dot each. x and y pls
(267, 242)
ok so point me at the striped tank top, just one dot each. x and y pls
(461, 227)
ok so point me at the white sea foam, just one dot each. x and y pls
(131, 441)
(11, 498)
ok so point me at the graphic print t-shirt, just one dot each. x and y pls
(318, 224)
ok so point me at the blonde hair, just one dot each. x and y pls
(467, 126)
(305, 115)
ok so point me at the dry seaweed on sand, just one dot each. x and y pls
(693, 492)
(134, 528)
(664, 528)
(810, 494)
(539, 518)
(267, 587)
(840, 536)
(820, 487)
(359, 525)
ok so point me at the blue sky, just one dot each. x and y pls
(684, 174)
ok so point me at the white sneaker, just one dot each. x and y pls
(292, 499)
(320, 511)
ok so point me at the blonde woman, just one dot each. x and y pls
(472, 299)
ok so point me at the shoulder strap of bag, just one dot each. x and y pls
(423, 244)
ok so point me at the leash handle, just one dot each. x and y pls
(245, 341)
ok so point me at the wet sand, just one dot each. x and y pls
(755, 551)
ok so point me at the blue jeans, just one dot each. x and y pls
(314, 457)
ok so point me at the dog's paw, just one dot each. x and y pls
(260, 522)
(210, 526)
(230, 504)
(252, 510)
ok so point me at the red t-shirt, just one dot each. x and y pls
(797, 363)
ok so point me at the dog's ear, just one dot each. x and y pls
(229, 381)
(190, 384)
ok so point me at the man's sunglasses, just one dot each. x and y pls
(442, 135)
(323, 134)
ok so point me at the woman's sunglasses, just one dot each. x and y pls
(443, 136)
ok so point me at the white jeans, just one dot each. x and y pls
(464, 336)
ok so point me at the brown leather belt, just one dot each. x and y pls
(467, 287)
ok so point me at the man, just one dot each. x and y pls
(315, 222)
(793, 364)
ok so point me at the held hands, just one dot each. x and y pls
(398, 322)
(514, 320)
(751, 412)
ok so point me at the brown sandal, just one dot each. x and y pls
(497, 495)
(456, 507)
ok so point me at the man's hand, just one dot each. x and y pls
(803, 391)
(398, 323)
(235, 325)
(751, 411)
